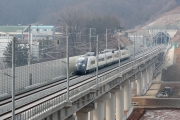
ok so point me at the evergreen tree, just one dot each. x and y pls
(21, 54)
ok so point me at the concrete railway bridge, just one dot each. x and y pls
(106, 96)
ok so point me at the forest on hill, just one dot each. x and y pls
(128, 12)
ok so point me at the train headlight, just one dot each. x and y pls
(83, 65)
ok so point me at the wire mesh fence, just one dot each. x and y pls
(39, 61)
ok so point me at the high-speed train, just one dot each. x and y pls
(87, 63)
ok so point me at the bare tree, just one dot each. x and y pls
(72, 18)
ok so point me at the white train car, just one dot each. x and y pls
(87, 63)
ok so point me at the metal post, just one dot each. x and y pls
(136, 39)
(166, 38)
(106, 38)
(161, 38)
(29, 53)
(90, 48)
(134, 49)
(13, 78)
(155, 38)
(97, 62)
(90, 40)
(22, 33)
(67, 64)
(119, 51)
(31, 46)
(143, 47)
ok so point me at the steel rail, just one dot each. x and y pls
(27, 93)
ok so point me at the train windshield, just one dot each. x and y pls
(81, 60)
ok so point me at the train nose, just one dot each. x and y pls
(79, 67)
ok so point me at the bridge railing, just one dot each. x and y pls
(60, 97)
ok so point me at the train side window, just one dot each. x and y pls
(102, 59)
(109, 57)
(93, 62)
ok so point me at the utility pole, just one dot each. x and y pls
(22, 36)
(22, 33)
(143, 47)
(67, 64)
(90, 40)
(13, 78)
(106, 36)
(90, 48)
(97, 61)
(134, 50)
(161, 37)
(29, 51)
(119, 51)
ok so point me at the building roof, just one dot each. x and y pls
(12, 28)
(7, 29)
(49, 27)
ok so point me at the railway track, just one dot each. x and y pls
(23, 107)
(59, 92)
(24, 94)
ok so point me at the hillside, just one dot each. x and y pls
(129, 12)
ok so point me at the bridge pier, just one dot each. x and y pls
(151, 73)
(147, 76)
(127, 96)
(110, 107)
(139, 84)
(120, 103)
(90, 115)
(144, 77)
(133, 85)
(55, 116)
(98, 114)
(82, 115)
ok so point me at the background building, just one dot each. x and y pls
(22, 32)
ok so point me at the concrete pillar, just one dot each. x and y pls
(120, 103)
(55, 116)
(49, 117)
(151, 72)
(105, 110)
(145, 79)
(90, 115)
(82, 115)
(110, 107)
(98, 114)
(127, 97)
(153, 67)
(139, 84)
(133, 85)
